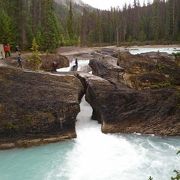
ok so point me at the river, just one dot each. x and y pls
(94, 156)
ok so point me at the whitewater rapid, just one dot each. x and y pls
(94, 156)
(169, 50)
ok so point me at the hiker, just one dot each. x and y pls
(75, 67)
(54, 66)
(7, 50)
(19, 60)
(17, 49)
(76, 62)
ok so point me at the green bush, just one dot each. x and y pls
(34, 59)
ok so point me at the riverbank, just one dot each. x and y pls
(77, 50)
(94, 156)
(25, 143)
(128, 93)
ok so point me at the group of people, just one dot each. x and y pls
(5, 52)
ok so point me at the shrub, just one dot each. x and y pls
(34, 59)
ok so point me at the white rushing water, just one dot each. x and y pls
(82, 66)
(94, 155)
(138, 50)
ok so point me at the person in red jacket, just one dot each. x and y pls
(7, 50)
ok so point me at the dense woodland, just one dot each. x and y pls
(157, 22)
(55, 25)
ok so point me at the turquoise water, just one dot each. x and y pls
(94, 156)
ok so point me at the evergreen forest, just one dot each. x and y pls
(54, 24)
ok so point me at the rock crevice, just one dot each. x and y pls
(149, 106)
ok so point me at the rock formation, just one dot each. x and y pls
(37, 108)
(131, 93)
(107, 68)
(150, 105)
(47, 61)
(149, 70)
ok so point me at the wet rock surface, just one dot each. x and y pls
(150, 105)
(37, 105)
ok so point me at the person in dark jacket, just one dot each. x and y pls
(54, 66)
(75, 67)
(76, 62)
(19, 60)
(17, 49)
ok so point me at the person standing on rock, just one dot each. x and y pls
(19, 60)
(7, 50)
(76, 62)
(75, 67)
(17, 49)
(54, 66)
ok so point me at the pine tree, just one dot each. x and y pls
(6, 28)
(50, 27)
(70, 22)
(35, 60)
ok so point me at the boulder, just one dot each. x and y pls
(135, 93)
(47, 61)
(106, 67)
(124, 110)
(37, 105)
(149, 70)
(142, 71)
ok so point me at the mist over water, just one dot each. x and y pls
(94, 155)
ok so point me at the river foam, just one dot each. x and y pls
(94, 156)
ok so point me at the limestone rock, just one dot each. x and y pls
(151, 105)
(47, 61)
(37, 105)
(107, 68)
(127, 110)
(149, 70)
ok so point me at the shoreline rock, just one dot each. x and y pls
(34, 105)
(26, 143)
(122, 108)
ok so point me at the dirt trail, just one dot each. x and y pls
(2, 63)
